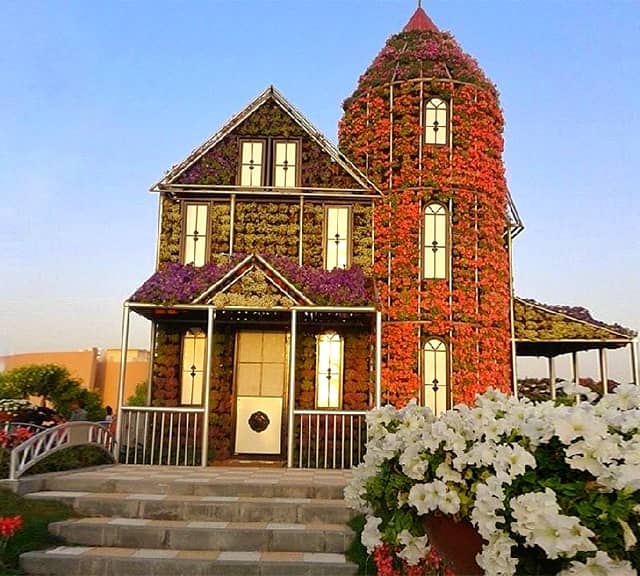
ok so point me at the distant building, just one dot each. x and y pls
(97, 370)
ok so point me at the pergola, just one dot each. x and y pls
(550, 331)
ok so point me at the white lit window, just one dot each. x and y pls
(194, 345)
(337, 237)
(436, 121)
(435, 241)
(284, 173)
(195, 242)
(251, 163)
(435, 378)
(329, 370)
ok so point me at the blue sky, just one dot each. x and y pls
(98, 99)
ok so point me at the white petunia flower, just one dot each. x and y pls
(414, 549)
(601, 565)
(371, 537)
(495, 558)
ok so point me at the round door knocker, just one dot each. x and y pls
(259, 421)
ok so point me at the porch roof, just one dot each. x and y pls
(255, 282)
(547, 330)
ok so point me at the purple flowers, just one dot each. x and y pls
(181, 284)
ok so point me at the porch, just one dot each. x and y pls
(243, 405)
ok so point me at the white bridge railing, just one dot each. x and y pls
(161, 435)
(50, 440)
(13, 426)
(330, 438)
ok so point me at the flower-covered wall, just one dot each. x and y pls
(267, 226)
(382, 132)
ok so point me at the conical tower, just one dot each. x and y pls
(425, 125)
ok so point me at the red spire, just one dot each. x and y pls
(420, 21)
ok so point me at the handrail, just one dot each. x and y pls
(10, 426)
(194, 410)
(330, 412)
(50, 440)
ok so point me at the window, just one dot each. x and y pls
(337, 242)
(436, 121)
(436, 246)
(329, 355)
(435, 377)
(194, 345)
(269, 163)
(195, 242)
(251, 164)
(285, 164)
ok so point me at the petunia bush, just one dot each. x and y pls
(551, 488)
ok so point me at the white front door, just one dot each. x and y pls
(260, 383)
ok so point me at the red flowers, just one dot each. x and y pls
(9, 525)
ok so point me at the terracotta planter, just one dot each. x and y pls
(457, 542)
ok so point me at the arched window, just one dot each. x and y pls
(436, 121)
(194, 345)
(435, 242)
(329, 363)
(435, 376)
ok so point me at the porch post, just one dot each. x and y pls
(604, 377)
(635, 371)
(552, 376)
(378, 358)
(207, 387)
(152, 349)
(576, 372)
(292, 389)
(124, 345)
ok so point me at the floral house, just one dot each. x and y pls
(299, 284)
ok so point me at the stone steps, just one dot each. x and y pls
(221, 508)
(205, 535)
(162, 520)
(107, 561)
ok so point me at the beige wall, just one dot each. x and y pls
(81, 364)
(99, 372)
(109, 374)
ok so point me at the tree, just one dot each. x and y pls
(52, 383)
(139, 397)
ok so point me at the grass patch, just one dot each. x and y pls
(33, 535)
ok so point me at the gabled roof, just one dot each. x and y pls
(276, 281)
(270, 94)
(545, 330)
(187, 285)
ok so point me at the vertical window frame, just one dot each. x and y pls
(189, 335)
(427, 245)
(429, 105)
(327, 336)
(186, 234)
(296, 164)
(326, 237)
(441, 353)
(263, 162)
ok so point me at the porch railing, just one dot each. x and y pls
(161, 435)
(330, 438)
